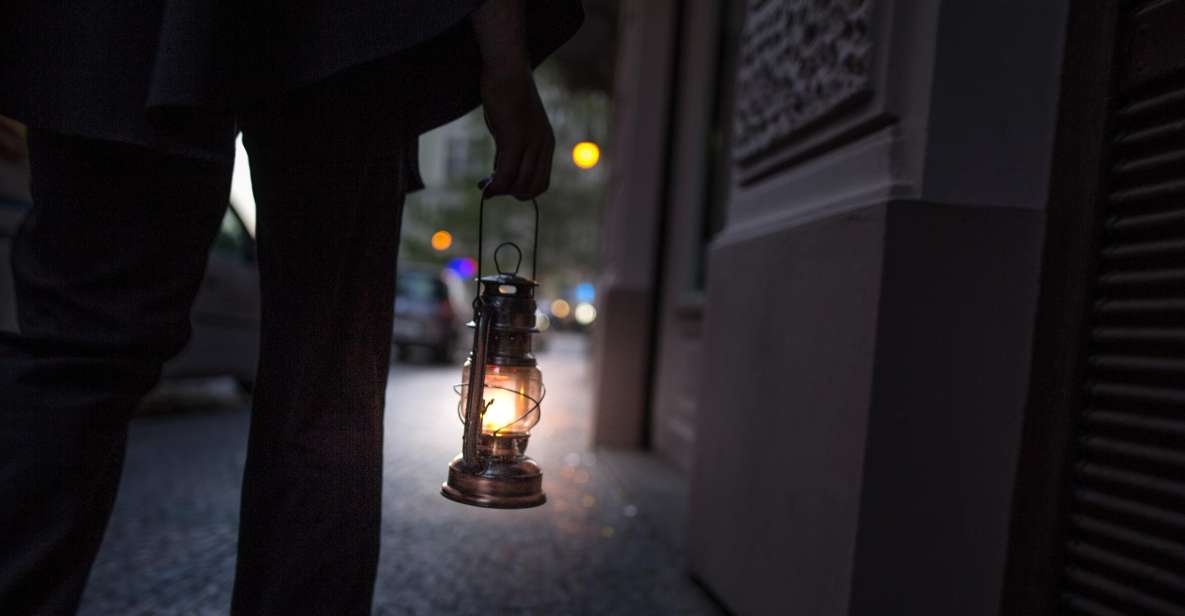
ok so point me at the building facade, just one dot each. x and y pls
(838, 242)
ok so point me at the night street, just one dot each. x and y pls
(609, 540)
(778, 308)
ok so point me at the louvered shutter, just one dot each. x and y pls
(1124, 549)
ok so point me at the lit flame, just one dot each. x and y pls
(502, 407)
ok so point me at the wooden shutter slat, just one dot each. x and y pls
(1112, 306)
(1137, 250)
(1096, 474)
(1163, 580)
(1104, 334)
(1128, 507)
(1123, 535)
(1139, 393)
(1152, 105)
(1107, 446)
(1123, 592)
(1136, 421)
(1145, 222)
(1087, 606)
(1154, 191)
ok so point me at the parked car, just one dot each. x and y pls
(428, 305)
(225, 316)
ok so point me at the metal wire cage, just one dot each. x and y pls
(513, 398)
(512, 387)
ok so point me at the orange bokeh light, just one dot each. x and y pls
(441, 240)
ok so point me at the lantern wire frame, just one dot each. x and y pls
(536, 404)
(477, 305)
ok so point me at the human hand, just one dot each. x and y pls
(523, 138)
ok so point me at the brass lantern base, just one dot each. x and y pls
(501, 484)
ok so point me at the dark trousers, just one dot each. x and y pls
(106, 267)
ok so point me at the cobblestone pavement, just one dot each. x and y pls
(607, 542)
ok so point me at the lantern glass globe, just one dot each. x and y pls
(511, 399)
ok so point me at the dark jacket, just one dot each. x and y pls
(171, 74)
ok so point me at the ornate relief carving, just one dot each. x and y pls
(799, 60)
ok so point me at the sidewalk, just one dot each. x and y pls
(609, 541)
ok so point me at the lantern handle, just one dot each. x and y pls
(481, 208)
(517, 264)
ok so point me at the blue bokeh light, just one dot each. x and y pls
(586, 292)
(465, 267)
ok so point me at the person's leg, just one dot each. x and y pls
(325, 166)
(106, 266)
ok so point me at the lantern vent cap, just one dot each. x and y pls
(511, 279)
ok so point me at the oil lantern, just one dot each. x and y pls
(500, 392)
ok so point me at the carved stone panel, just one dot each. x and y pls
(800, 60)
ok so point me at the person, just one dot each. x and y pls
(132, 109)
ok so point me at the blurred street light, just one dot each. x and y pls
(560, 309)
(441, 240)
(586, 293)
(586, 154)
(465, 267)
(585, 314)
